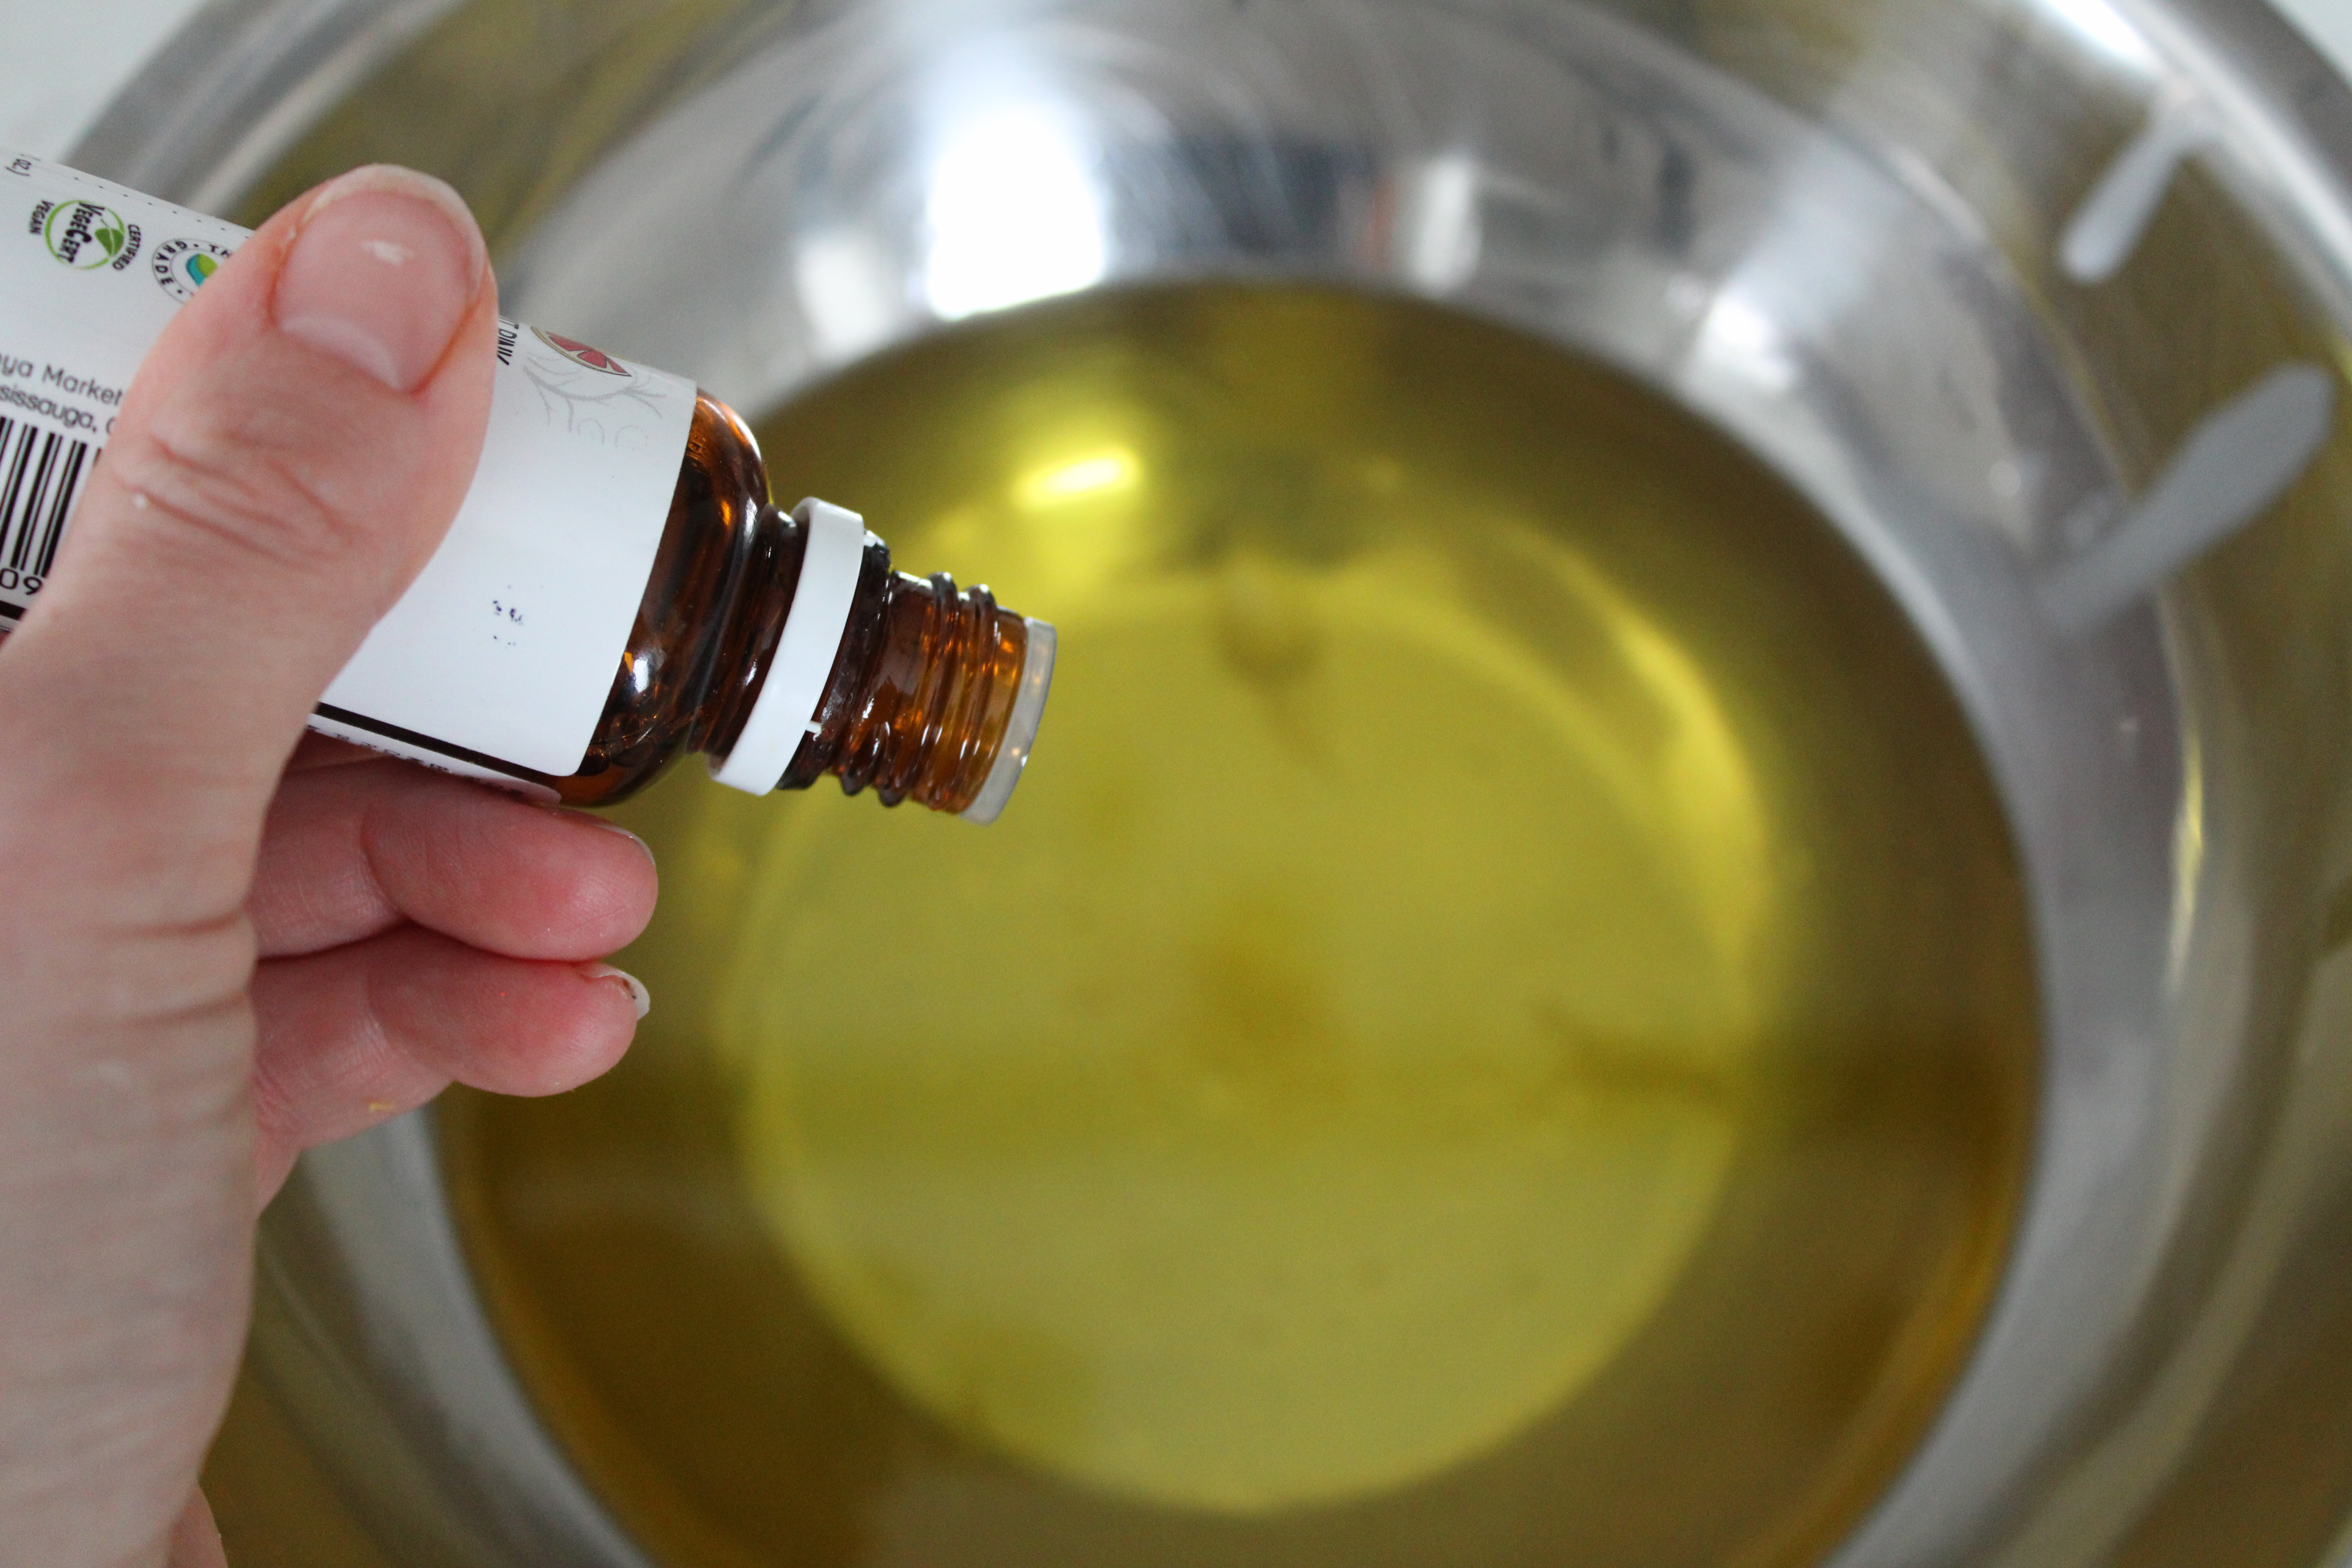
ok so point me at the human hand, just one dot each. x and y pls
(211, 958)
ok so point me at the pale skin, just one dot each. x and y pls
(221, 943)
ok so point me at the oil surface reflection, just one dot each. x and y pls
(1497, 1030)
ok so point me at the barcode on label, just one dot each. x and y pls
(40, 473)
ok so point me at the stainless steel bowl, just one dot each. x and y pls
(2043, 302)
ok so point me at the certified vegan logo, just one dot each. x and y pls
(85, 236)
(181, 265)
(581, 353)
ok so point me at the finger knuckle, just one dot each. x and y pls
(243, 484)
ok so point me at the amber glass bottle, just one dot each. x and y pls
(897, 682)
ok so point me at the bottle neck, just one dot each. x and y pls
(923, 687)
(921, 694)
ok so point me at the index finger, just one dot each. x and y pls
(353, 851)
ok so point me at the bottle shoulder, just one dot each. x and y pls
(676, 657)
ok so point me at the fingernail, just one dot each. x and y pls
(630, 983)
(383, 267)
(643, 847)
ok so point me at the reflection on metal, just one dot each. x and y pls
(1743, 341)
(850, 291)
(448, 1417)
(2101, 25)
(2111, 222)
(1438, 223)
(2236, 463)
(1009, 210)
(206, 119)
(1012, 211)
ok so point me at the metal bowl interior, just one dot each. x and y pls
(2040, 303)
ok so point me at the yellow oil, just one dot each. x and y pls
(1497, 1031)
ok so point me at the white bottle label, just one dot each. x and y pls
(507, 645)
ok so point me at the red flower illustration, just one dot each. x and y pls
(581, 353)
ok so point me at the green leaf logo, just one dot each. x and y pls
(85, 236)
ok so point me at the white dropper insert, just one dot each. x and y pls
(784, 712)
(1020, 730)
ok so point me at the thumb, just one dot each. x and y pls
(286, 461)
